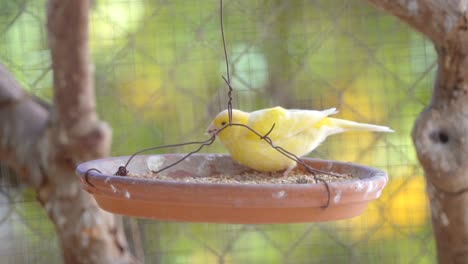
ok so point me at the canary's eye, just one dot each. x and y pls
(223, 123)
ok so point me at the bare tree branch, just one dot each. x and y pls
(23, 121)
(45, 146)
(68, 31)
(440, 133)
(433, 18)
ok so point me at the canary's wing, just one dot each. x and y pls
(262, 120)
(287, 123)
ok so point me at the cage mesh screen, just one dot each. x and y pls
(158, 68)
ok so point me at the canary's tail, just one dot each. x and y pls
(340, 125)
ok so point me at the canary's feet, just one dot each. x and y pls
(288, 170)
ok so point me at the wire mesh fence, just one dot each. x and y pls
(158, 68)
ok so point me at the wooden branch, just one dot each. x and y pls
(433, 18)
(73, 80)
(45, 147)
(23, 121)
(440, 133)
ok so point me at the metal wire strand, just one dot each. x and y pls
(122, 170)
(86, 176)
(228, 81)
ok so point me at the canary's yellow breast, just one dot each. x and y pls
(253, 152)
(259, 155)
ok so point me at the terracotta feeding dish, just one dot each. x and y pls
(172, 197)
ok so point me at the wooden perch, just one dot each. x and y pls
(45, 146)
(440, 134)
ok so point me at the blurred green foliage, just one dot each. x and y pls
(158, 67)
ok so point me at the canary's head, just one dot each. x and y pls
(222, 120)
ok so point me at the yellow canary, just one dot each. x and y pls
(297, 131)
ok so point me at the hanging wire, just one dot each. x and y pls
(86, 176)
(123, 171)
(228, 81)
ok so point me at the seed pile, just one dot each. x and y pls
(295, 177)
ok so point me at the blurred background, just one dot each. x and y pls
(158, 68)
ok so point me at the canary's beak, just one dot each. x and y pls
(211, 130)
